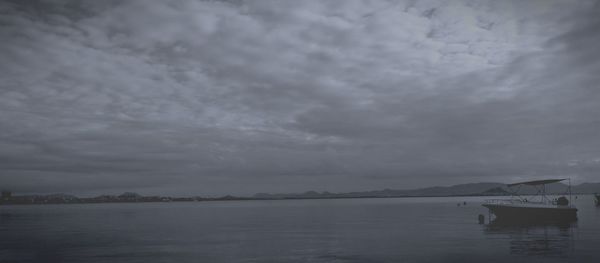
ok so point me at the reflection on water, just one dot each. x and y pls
(526, 238)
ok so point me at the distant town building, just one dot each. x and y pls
(129, 197)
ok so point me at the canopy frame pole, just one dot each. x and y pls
(570, 195)
(544, 194)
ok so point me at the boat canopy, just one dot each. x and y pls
(537, 182)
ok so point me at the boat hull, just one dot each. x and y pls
(525, 213)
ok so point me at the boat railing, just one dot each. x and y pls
(525, 202)
(515, 201)
(503, 201)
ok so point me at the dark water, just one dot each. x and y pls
(350, 230)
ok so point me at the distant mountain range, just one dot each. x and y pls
(472, 189)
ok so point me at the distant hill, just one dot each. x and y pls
(496, 191)
(472, 189)
(587, 188)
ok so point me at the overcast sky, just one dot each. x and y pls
(237, 97)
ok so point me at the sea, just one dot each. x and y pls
(425, 229)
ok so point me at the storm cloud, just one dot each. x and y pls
(216, 97)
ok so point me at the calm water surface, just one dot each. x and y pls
(343, 230)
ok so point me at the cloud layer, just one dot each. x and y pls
(214, 97)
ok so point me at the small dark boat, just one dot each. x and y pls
(518, 208)
(597, 199)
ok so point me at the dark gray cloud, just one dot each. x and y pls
(214, 97)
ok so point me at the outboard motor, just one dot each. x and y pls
(562, 201)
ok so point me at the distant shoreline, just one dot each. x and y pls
(227, 198)
(461, 190)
